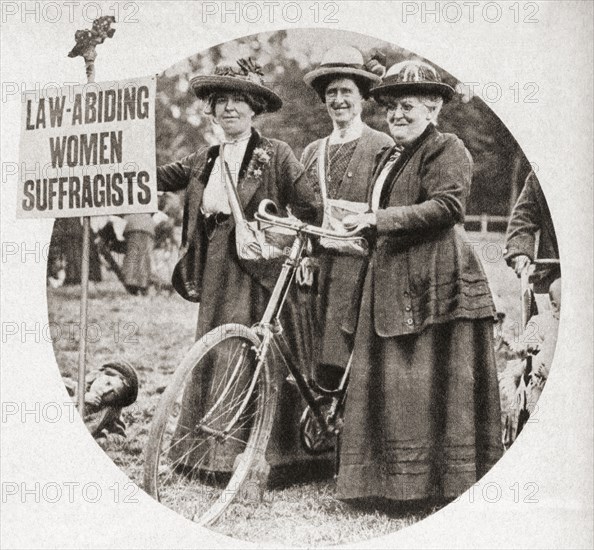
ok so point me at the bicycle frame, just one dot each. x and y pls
(270, 323)
(250, 400)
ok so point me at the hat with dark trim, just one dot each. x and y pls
(345, 62)
(130, 381)
(412, 77)
(249, 78)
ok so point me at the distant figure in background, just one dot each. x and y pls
(112, 235)
(339, 168)
(164, 230)
(140, 240)
(524, 377)
(171, 205)
(66, 252)
(108, 389)
(165, 253)
(530, 215)
(547, 324)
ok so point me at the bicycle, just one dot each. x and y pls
(238, 409)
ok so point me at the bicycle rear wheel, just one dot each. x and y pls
(198, 459)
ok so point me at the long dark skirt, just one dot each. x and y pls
(137, 261)
(339, 283)
(422, 417)
(231, 295)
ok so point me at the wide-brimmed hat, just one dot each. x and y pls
(130, 381)
(412, 77)
(344, 62)
(249, 79)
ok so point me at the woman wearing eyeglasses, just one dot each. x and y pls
(422, 418)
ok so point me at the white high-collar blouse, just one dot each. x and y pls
(214, 198)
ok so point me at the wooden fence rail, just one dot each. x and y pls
(499, 222)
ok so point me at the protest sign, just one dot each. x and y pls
(88, 150)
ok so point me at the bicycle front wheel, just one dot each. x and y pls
(212, 426)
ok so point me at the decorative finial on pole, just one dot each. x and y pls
(87, 40)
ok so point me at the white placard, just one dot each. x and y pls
(88, 150)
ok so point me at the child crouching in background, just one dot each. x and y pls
(109, 389)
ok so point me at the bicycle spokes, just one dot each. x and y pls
(200, 450)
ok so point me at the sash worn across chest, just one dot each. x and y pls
(246, 185)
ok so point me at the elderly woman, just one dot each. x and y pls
(422, 418)
(229, 289)
(340, 166)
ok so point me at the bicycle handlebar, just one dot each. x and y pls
(266, 214)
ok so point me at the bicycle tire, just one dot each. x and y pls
(255, 422)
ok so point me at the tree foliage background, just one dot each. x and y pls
(500, 166)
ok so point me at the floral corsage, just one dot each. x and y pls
(260, 159)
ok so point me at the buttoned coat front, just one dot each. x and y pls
(425, 269)
(422, 417)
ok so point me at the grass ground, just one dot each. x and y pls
(155, 331)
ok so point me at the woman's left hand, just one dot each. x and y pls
(353, 221)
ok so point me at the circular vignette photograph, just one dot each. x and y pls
(346, 308)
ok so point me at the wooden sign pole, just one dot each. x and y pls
(86, 42)
(84, 293)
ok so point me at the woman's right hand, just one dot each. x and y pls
(354, 221)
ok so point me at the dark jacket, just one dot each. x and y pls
(530, 215)
(192, 172)
(339, 279)
(424, 269)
